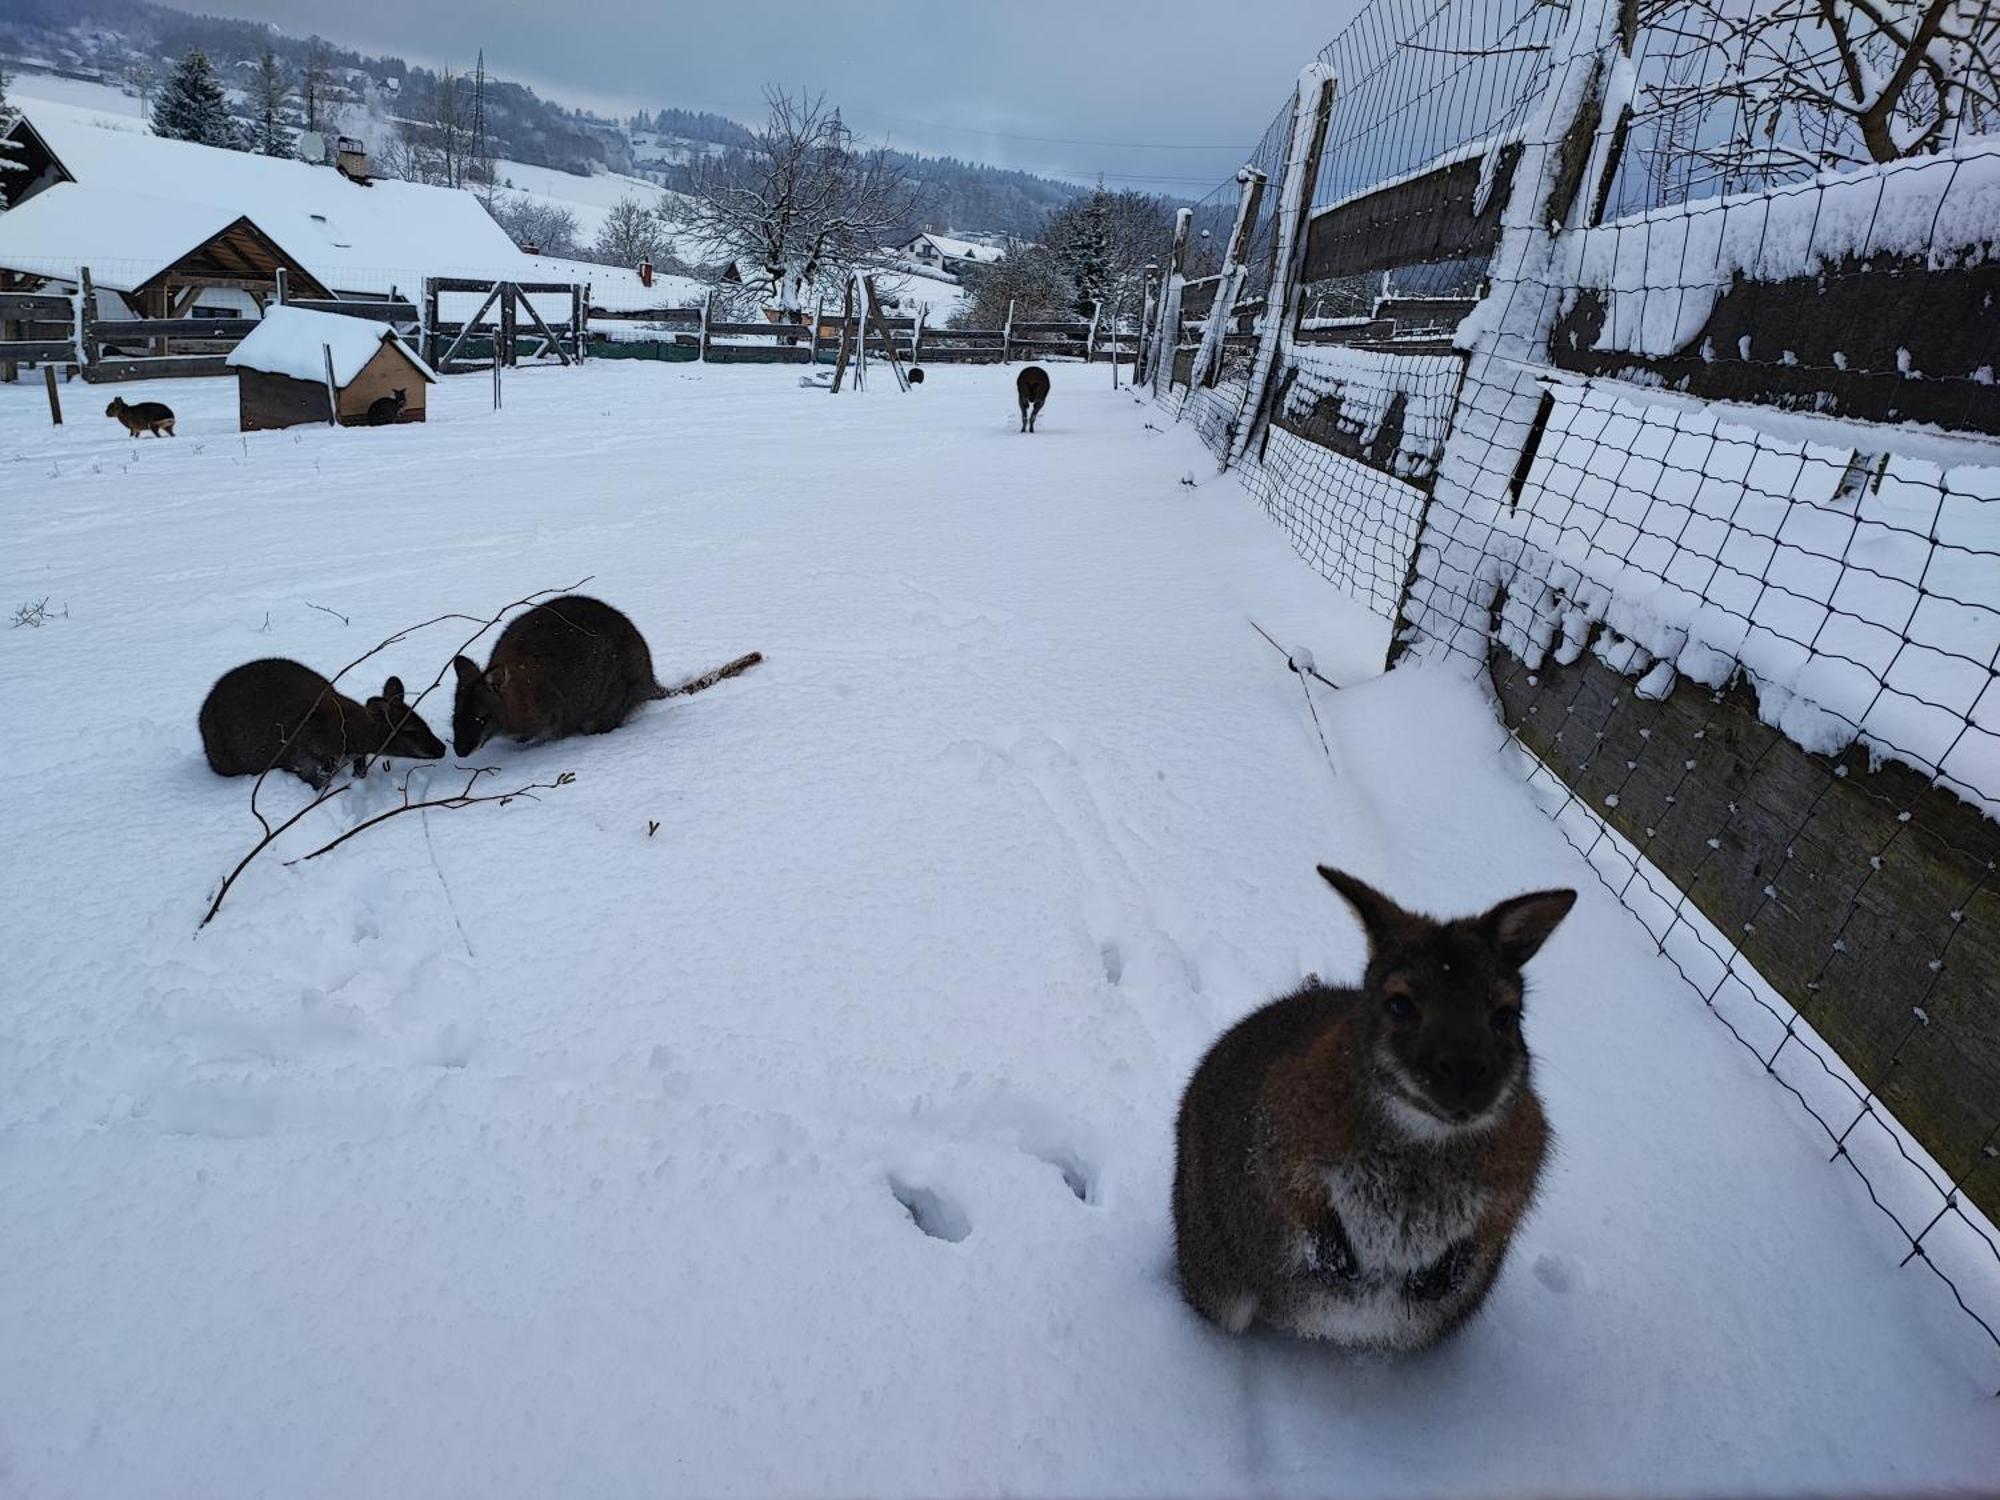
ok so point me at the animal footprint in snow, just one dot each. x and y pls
(1114, 961)
(932, 1212)
(1559, 1273)
(1076, 1177)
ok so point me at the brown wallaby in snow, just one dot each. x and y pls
(279, 713)
(1351, 1163)
(1032, 387)
(384, 410)
(155, 417)
(570, 666)
(916, 374)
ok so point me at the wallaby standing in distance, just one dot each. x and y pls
(155, 417)
(384, 410)
(916, 374)
(1032, 387)
(1351, 1163)
(570, 666)
(280, 714)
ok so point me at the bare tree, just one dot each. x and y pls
(801, 208)
(632, 232)
(536, 223)
(1760, 90)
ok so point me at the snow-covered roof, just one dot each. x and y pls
(955, 249)
(351, 237)
(293, 341)
(126, 238)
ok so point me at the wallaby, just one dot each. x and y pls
(1032, 387)
(279, 713)
(155, 417)
(916, 374)
(1351, 1163)
(384, 410)
(570, 666)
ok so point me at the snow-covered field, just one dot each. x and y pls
(523, 1151)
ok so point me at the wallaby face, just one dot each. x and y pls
(1443, 1011)
(1351, 1164)
(399, 729)
(476, 712)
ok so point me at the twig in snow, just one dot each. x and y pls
(1292, 661)
(36, 614)
(325, 611)
(461, 798)
(1300, 664)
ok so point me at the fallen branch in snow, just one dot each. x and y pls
(735, 668)
(325, 611)
(327, 794)
(461, 798)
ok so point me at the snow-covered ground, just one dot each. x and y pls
(523, 1151)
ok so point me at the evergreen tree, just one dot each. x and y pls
(192, 106)
(273, 130)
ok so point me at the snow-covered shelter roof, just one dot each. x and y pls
(352, 237)
(296, 342)
(128, 238)
(956, 249)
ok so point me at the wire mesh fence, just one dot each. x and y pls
(1686, 449)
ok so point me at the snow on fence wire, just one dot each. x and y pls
(1696, 467)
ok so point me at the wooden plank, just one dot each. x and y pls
(1413, 222)
(1840, 883)
(754, 330)
(173, 366)
(1835, 342)
(378, 312)
(38, 350)
(35, 307)
(748, 354)
(123, 329)
(670, 317)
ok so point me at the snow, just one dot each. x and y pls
(957, 249)
(819, 1142)
(1363, 384)
(296, 342)
(1662, 271)
(58, 229)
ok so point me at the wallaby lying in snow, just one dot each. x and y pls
(279, 713)
(384, 410)
(155, 417)
(570, 666)
(1032, 387)
(1351, 1163)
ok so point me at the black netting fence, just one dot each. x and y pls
(1686, 447)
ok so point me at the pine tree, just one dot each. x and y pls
(7, 115)
(273, 131)
(192, 106)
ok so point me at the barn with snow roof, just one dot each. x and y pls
(297, 367)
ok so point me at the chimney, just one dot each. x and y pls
(645, 273)
(351, 158)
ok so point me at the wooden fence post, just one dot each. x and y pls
(1167, 338)
(1222, 311)
(1007, 336)
(86, 321)
(819, 319)
(332, 391)
(503, 345)
(707, 317)
(1311, 111)
(284, 287)
(1090, 337)
(917, 336)
(55, 401)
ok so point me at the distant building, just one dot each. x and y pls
(941, 252)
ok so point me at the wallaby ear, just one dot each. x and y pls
(467, 670)
(1519, 926)
(496, 677)
(392, 690)
(1383, 919)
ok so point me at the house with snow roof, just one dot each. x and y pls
(942, 252)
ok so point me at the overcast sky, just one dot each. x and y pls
(1059, 86)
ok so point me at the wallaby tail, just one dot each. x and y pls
(723, 673)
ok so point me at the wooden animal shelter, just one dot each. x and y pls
(301, 367)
